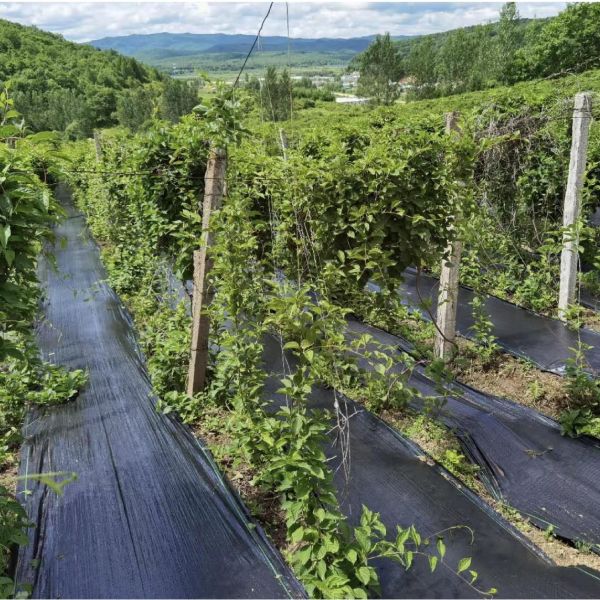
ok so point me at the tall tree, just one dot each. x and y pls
(568, 43)
(380, 67)
(456, 59)
(509, 40)
(275, 93)
(421, 61)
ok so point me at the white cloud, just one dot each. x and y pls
(82, 21)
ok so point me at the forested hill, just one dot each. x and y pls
(60, 85)
(216, 52)
(163, 45)
(501, 53)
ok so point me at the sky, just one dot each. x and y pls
(84, 21)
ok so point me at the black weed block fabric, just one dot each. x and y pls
(149, 516)
(589, 300)
(546, 342)
(393, 477)
(524, 459)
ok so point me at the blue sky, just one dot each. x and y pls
(82, 21)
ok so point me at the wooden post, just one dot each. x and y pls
(448, 290)
(214, 185)
(11, 142)
(284, 143)
(569, 259)
(98, 143)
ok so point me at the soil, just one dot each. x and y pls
(512, 378)
(8, 475)
(590, 319)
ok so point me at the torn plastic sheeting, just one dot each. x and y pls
(524, 459)
(544, 341)
(149, 515)
(393, 477)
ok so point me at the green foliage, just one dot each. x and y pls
(583, 414)
(305, 89)
(13, 524)
(135, 107)
(75, 88)
(509, 50)
(273, 94)
(27, 213)
(59, 84)
(421, 63)
(380, 69)
(510, 39)
(177, 98)
(482, 327)
(387, 197)
(370, 189)
(568, 43)
(580, 421)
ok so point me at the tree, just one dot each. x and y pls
(276, 93)
(455, 60)
(380, 67)
(568, 43)
(134, 107)
(509, 40)
(421, 61)
(59, 85)
(178, 98)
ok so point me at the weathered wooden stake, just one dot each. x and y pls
(98, 143)
(448, 290)
(582, 116)
(11, 142)
(284, 143)
(214, 186)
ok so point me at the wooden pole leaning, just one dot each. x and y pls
(214, 188)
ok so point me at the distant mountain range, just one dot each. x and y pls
(203, 50)
(164, 45)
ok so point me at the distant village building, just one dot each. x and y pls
(350, 80)
(350, 100)
(322, 80)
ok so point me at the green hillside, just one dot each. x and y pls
(222, 54)
(60, 85)
(505, 52)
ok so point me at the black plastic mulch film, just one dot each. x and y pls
(523, 458)
(546, 342)
(150, 514)
(392, 476)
